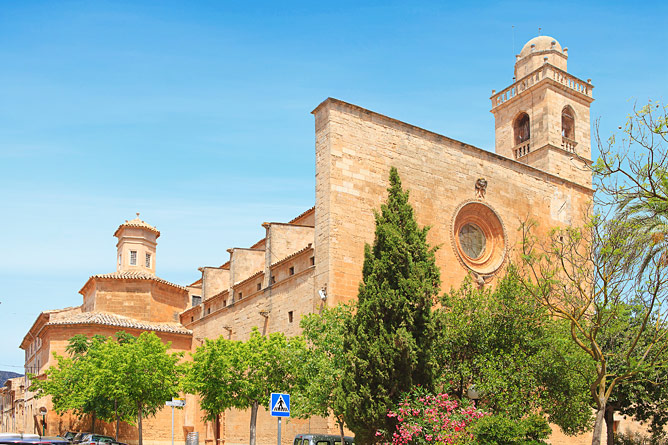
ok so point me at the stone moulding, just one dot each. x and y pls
(495, 249)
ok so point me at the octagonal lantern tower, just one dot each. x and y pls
(137, 242)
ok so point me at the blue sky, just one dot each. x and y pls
(197, 114)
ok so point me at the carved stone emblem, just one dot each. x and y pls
(480, 188)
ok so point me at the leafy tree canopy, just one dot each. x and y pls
(235, 374)
(320, 391)
(519, 359)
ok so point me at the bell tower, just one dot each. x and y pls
(542, 119)
(137, 242)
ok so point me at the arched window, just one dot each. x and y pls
(522, 128)
(568, 123)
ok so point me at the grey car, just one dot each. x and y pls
(322, 439)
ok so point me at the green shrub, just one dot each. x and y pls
(502, 430)
(637, 438)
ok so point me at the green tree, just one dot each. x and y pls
(71, 382)
(234, 374)
(113, 378)
(319, 391)
(607, 279)
(645, 396)
(518, 358)
(589, 276)
(213, 375)
(388, 342)
(632, 173)
(140, 373)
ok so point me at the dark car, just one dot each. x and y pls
(322, 439)
(70, 435)
(95, 439)
(78, 437)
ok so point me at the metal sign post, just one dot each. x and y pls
(279, 430)
(176, 401)
(42, 411)
(279, 404)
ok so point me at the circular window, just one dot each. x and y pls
(479, 237)
(472, 240)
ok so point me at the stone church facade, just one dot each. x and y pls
(473, 200)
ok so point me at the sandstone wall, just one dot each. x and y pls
(355, 149)
(214, 281)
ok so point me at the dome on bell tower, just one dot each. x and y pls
(540, 43)
(538, 51)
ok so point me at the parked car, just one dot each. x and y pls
(18, 438)
(322, 439)
(70, 435)
(30, 439)
(95, 439)
(79, 436)
(55, 440)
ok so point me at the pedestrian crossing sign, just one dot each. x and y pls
(279, 405)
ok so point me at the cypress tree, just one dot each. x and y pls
(388, 341)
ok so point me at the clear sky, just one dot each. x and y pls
(197, 114)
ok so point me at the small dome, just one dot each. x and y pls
(542, 43)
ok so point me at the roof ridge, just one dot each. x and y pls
(136, 275)
(111, 319)
(302, 214)
(137, 223)
(310, 246)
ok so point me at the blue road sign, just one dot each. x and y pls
(280, 405)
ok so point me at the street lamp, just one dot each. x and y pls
(473, 394)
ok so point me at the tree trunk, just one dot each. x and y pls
(92, 428)
(252, 423)
(139, 422)
(609, 424)
(343, 440)
(216, 432)
(116, 413)
(598, 426)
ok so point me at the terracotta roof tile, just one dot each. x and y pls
(312, 209)
(138, 223)
(135, 275)
(106, 319)
(257, 274)
(292, 255)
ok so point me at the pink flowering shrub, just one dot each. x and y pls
(432, 419)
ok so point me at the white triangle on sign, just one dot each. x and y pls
(280, 406)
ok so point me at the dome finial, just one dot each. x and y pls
(137, 214)
(539, 30)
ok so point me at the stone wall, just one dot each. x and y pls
(355, 149)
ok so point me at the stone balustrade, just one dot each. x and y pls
(546, 71)
(568, 144)
(522, 149)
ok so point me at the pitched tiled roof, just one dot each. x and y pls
(312, 209)
(135, 275)
(101, 318)
(257, 274)
(292, 255)
(138, 223)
